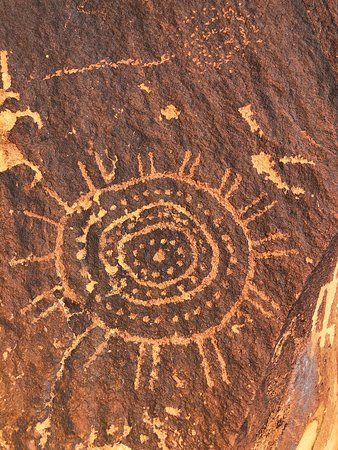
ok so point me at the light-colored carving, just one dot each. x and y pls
(264, 164)
(248, 115)
(327, 296)
(106, 63)
(162, 203)
(214, 38)
(10, 155)
(170, 112)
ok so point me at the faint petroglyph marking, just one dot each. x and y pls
(248, 115)
(10, 155)
(271, 237)
(90, 442)
(266, 305)
(143, 438)
(310, 139)
(155, 362)
(280, 344)
(264, 164)
(33, 215)
(45, 425)
(237, 327)
(180, 383)
(205, 363)
(327, 296)
(5, 77)
(170, 112)
(213, 37)
(139, 365)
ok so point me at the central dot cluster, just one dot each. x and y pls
(160, 255)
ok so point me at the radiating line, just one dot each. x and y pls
(258, 305)
(31, 259)
(270, 238)
(224, 179)
(67, 353)
(194, 165)
(106, 174)
(253, 203)
(40, 297)
(277, 253)
(47, 312)
(156, 359)
(55, 196)
(140, 165)
(221, 361)
(152, 166)
(33, 215)
(259, 213)
(139, 365)
(99, 350)
(263, 296)
(205, 364)
(86, 177)
(185, 161)
(235, 185)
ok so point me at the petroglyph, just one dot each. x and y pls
(170, 112)
(155, 252)
(10, 155)
(106, 63)
(214, 38)
(248, 115)
(264, 164)
(326, 299)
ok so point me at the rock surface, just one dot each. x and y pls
(168, 263)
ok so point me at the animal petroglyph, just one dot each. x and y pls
(264, 164)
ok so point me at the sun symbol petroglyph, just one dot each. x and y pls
(10, 155)
(162, 259)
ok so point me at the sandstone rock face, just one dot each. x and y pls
(168, 255)
(298, 399)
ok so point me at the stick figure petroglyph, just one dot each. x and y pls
(10, 154)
